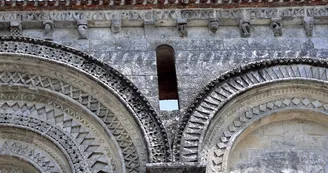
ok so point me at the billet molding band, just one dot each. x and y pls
(217, 93)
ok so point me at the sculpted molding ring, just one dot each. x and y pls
(110, 124)
(221, 90)
(35, 156)
(225, 141)
(69, 118)
(107, 77)
(76, 167)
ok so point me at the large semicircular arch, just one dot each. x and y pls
(107, 77)
(219, 92)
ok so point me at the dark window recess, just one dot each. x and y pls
(167, 80)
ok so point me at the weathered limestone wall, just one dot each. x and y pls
(286, 146)
(204, 134)
(200, 57)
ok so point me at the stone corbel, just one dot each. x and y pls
(15, 28)
(48, 29)
(116, 26)
(276, 26)
(213, 25)
(308, 24)
(182, 25)
(245, 28)
(82, 29)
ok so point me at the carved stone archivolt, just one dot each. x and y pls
(83, 143)
(39, 159)
(195, 124)
(253, 106)
(78, 131)
(109, 99)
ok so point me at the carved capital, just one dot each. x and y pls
(276, 26)
(82, 29)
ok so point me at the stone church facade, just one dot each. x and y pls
(80, 86)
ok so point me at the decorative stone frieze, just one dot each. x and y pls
(256, 15)
(142, 4)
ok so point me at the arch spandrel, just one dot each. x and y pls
(196, 122)
(108, 97)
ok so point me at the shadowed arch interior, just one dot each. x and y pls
(166, 72)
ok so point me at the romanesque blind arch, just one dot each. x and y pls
(217, 113)
(99, 119)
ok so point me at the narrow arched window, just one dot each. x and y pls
(167, 79)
